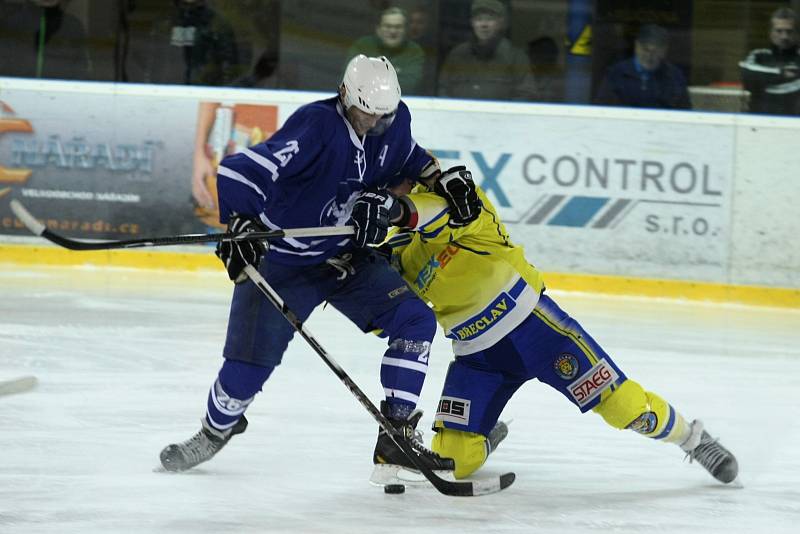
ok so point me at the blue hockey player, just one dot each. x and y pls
(330, 164)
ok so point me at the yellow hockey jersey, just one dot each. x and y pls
(478, 282)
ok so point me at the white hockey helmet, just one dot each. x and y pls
(370, 84)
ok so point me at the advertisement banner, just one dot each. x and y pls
(586, 190)
(117, 166)
(607, 196)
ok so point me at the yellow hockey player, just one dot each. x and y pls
(507, 331)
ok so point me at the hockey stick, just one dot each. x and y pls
(39, 229)
(17, 385)
(447, 487)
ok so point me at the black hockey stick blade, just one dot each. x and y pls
(447, 487)
(460, 488)
(40, 229)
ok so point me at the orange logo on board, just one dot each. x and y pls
(9, 125)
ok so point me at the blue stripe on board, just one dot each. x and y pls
(578, 211)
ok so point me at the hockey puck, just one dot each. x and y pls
(394, 488)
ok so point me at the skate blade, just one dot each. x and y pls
(194, 471)
(736, 483)
(385, 474)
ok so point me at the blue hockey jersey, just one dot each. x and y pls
(309, 174)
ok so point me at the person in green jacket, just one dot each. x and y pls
(390, 40)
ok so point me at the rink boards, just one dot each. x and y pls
(687, 204)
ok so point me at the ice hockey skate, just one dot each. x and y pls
(497, 435)
(708, 452)
(199, 448)
(391, 464)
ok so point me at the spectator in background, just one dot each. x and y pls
(543, 54)
(391, 40)
(38, 39)
(772, 75)
(263, 75)
(646, 80)
(418, 29)
(487, 66)
(195, 46)
(256, 26)
(421, 31)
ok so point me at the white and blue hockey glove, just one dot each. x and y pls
(236, 254)
(457, 187)
(371, 214)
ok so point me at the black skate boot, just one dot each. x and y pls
(199, 448)
(710, 454)
(389, 459)
(496, 435)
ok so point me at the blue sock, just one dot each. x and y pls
(399, 409)
(234, 389)
(411, 327)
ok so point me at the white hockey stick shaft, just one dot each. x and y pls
(40, 229)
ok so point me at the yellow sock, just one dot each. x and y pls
(644, 412)
(467, 449)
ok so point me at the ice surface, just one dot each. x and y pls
(125, 358)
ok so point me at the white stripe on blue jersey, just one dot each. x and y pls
(308, 173)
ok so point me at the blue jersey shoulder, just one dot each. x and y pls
(314, 120)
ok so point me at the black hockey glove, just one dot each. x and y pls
(372, 212)
(236, 254)
(456, 186)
